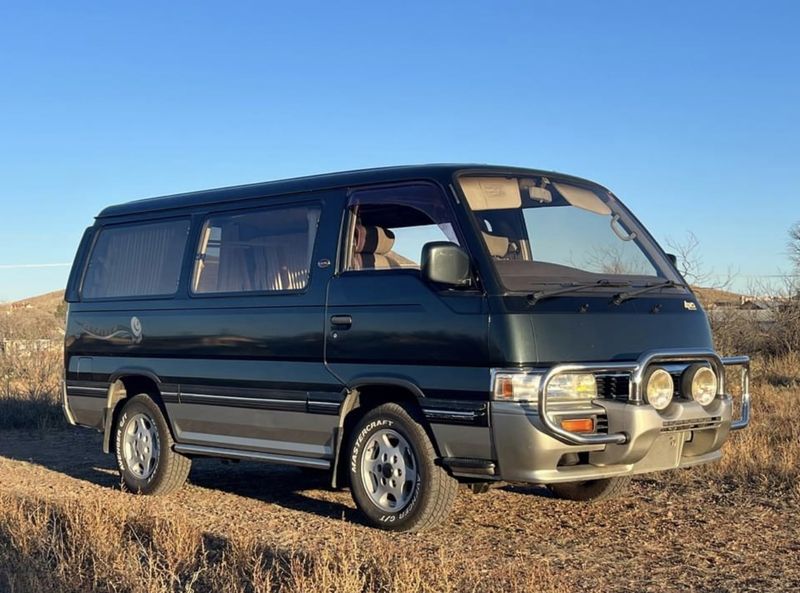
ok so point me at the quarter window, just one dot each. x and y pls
(136, 260)
(259, 251)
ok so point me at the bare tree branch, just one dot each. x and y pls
(691, 264)
(794, 245)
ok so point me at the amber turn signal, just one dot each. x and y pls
(506, 388)
(578, 424)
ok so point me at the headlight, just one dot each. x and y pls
(522, 386)
(700, 383)
(659, 388)
(572, 386)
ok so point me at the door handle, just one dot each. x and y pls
(342, 320)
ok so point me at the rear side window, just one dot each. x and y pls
(136, 260)
(265, 250)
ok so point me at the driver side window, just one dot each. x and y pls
(389, 226)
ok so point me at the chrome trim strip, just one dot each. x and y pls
(251, 456)
(103, 389)
(244, 399)
(458, 413)
(319, 403)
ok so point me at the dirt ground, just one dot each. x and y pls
(676, 532)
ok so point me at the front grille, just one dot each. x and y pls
(601, 425)
(676, 380)
(617, 386)
(613, 386)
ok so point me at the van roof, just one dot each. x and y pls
(440, 172)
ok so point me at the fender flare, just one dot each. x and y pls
(115, 389)
(351, 393)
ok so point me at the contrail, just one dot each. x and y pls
(22, 266)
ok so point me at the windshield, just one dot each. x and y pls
(540, 231)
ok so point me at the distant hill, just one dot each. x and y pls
(47, 302)
(39, 317)
(715, 296)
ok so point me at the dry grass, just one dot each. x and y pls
(29, 389)
(80, 547)
(767, 453)
(31, 371)
(108, 541)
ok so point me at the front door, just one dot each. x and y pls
(384, 323)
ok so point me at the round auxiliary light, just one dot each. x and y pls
(699, 382)
(659, 388)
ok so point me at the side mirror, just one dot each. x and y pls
(673, 258)
(446, 263)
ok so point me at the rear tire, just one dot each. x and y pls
(143, 444)
(394, 478)
(591, 490)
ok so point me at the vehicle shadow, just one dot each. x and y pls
(289, 487)
(78, 454)
(528, 490)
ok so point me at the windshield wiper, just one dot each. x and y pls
(621, 297)
(572, 287)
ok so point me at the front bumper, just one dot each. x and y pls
(530, 445)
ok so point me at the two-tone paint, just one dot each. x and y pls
(273, 376)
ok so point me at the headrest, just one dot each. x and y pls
(498, 246)
(373, 239)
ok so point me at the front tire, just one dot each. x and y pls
(591, 490)
(394, 478)
(143, 444)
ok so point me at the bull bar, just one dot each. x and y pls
(637, 371)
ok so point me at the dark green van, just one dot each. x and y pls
(405, 329)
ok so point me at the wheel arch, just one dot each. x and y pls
(365, 394)
(125, 383)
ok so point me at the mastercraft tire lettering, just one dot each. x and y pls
(143, 445)
(393, 475)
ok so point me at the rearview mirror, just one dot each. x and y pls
(446, 263)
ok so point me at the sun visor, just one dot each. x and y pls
(540, 194)
(491, 193)
(583, 198)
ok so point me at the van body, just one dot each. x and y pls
(406, 329)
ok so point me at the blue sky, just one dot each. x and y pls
(687, 110)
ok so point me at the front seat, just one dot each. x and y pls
(498, 245)
(372, 250)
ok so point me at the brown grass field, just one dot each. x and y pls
(66, 525)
